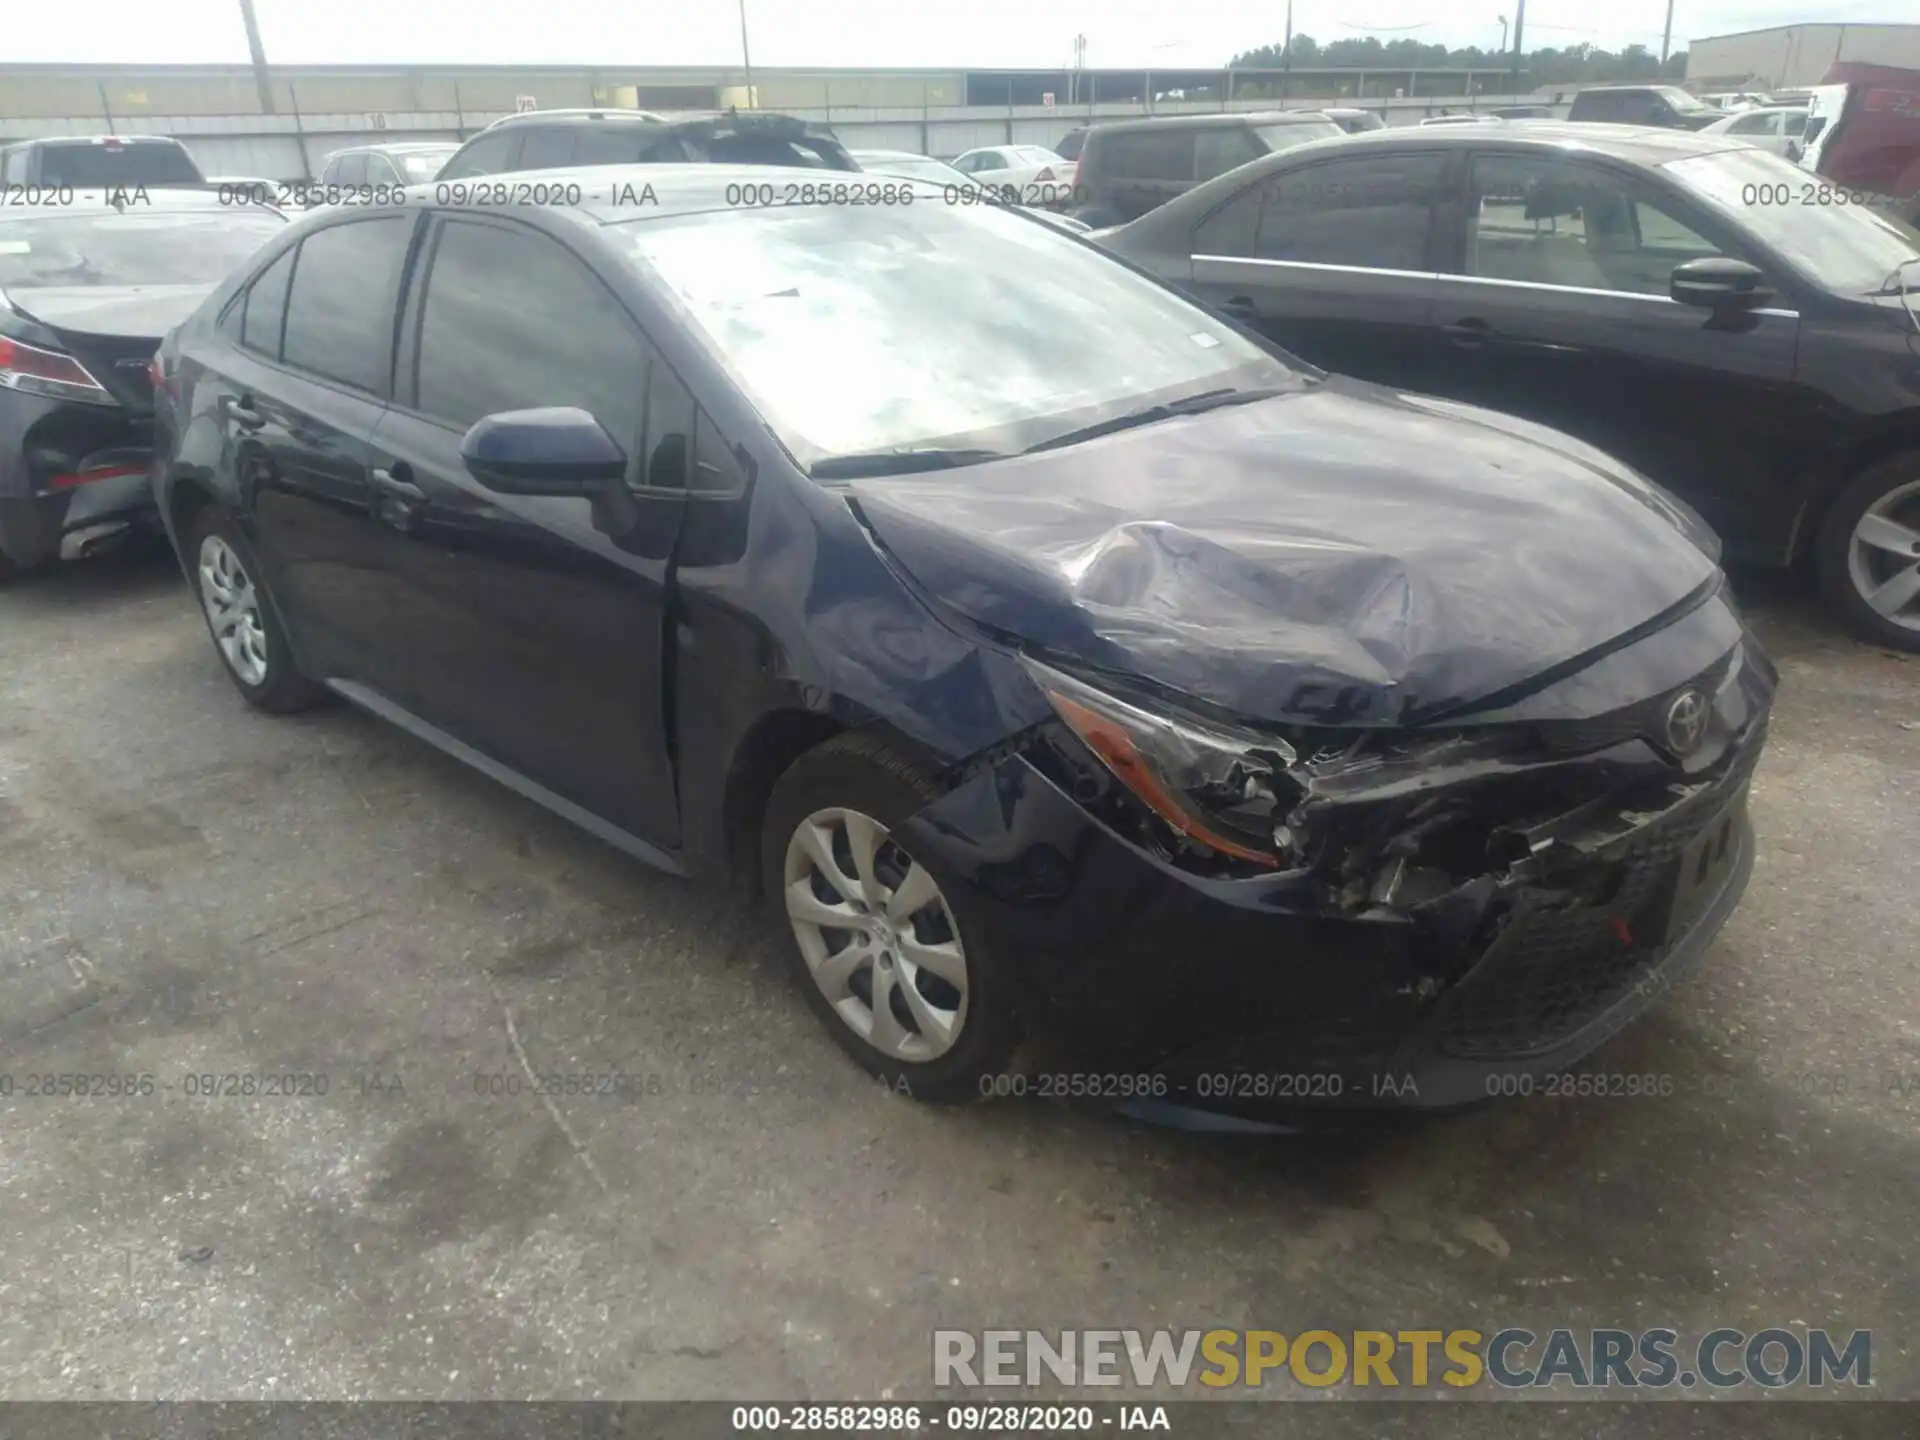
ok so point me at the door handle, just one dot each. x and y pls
(241, 412)
(396, 480)
(397, 501)
(1471, 333)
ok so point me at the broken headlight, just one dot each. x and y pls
(1216, 785)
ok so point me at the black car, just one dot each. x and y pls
(1665, 297)
(1667, 106)
(87, 288)
(97, 162)
(551, 139)
(1355, 121)
(1097, 674)
(1128, 167)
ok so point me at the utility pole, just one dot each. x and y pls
(746, 55)
(1519, 39)
(1666, 40)
(1286, 55)
(259, 53)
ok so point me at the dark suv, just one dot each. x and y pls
(1664, 105)
(554, 139)
(96, 162)
(1128, 167)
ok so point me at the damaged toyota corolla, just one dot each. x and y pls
(1087, 684)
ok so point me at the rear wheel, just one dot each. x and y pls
(246, 631)
(880, 942)
(1869, 552)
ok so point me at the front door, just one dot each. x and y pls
(1558, 311)
(536, 624)
(1332, 261)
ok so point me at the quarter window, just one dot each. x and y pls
(353, 169)
(340, 311)
(1548, 222)
(264, 307)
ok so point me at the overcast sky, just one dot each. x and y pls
(919, 33)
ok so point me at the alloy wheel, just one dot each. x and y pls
(233, 610)
(1883, 559)
(876, 934)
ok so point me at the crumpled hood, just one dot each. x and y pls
(1345, 554)
(125, 311)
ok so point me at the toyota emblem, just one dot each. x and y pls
(1686, 720)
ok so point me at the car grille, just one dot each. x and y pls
(1550, 972)
(1644, 720)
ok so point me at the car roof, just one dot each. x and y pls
(1650, 145)
(93, 140)
(889, 155)
(397, 147)
(1213, 121)
(669, 118)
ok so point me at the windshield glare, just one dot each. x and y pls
(1850, 249)
(202, 248)
(1284, 137)
(925, 326)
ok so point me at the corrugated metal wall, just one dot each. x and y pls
(1797, 55)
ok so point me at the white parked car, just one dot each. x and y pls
(1778, 129)
(1033, 174)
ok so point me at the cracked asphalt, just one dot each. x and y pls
(188, 889)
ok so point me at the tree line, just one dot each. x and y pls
(1574, 65)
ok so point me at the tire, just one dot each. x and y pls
(1849, 568)
(262, 669)
(859, 778)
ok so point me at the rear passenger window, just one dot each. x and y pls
(548, 148)
(553, 336)
(353, 169)
(1372, 213)
(340, 312)
(264, 307)
(489, 155)
(1151, 155)
(1217, 151)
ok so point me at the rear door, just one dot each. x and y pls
(1334, 261)
(536, 624)
(1556, 308)
(297, 399)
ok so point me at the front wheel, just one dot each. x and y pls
(1868, 553)
(881, 942)
(246, 631)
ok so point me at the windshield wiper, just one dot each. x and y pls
(1153, 414)
(898, 462)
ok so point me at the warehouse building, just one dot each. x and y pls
(1792, 56)
(280, 124)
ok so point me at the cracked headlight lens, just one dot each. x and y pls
(1217, 786)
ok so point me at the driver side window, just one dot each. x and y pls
(1555, 222)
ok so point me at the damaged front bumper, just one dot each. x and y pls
(1451, 925)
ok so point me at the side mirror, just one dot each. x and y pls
(1794, 151)
(1716, 283)
(554, 451)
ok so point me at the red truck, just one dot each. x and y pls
(1863, 133)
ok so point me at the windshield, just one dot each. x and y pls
(1849, 249)
(197, 248)
(94, 167)
(419, 165)
(1284, 137)
(860, 330)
